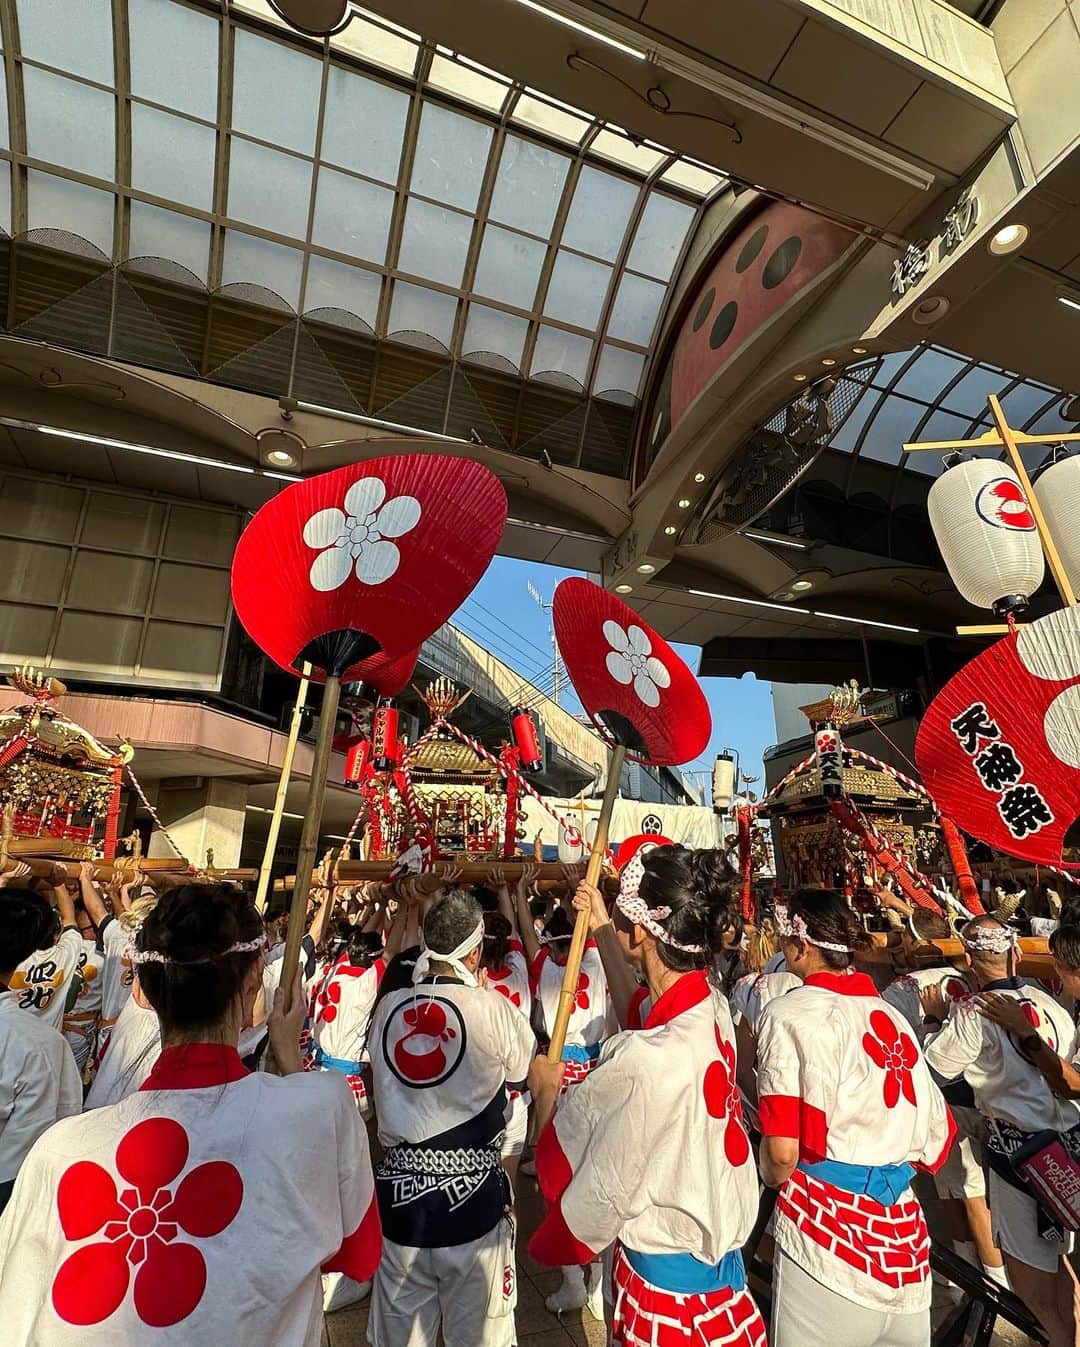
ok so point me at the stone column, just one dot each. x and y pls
(210, 815)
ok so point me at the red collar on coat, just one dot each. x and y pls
(845, 984)
(194, 1066)
(690, 990)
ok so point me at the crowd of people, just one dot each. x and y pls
(192, 1152)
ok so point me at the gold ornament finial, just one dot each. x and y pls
(441, 697)
(32, 683)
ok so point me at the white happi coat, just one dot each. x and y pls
(589, 1019)
(199, 1211)
(39, 1083)
(442, 1055)
(343, 1001)
(1006, 1085)
(839, 1070)
(512, 979)
(650, 1148)
(117, 975)
(752, 993)
(903, 992)
(81, 1020)
(42, 981)
(133, 1050)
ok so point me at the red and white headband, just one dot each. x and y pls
(989, 939)
(795, 928)
(139, 956)
(634, 908)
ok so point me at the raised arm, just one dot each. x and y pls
(525, 929)
(91, 895)
(62, 899)
(621, 982)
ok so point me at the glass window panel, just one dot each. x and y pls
(435, 242)
(969, 396)
(930, 373)
(353, 102)
(599, 213)
(172, 157)
(619, 371)
(1024, 402)
(256, 261)
(56, 203)
(637, 303)
(5, 135)
(610, 145)
(893, 424)
(275, 92)
(559, 352)
(660, 236)
(164, 233)
(489, 331)
(5, 197)
(268, 188)
(891, 364)
(392, 50)
(451, 155)
(417, 309)
(509, 267)
(69, 124)
(691, 178)
(73, 35)
(352, 216)
(174, 56)
(555, 120)
(1051, 422)
(334, 285)
(576, 290)
(455, 78)
(941, 426)
(849, 432)
(528, 186)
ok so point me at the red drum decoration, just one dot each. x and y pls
(524, 732)
(999, 746)
(633, 686)
(385, 745)
(368, 559)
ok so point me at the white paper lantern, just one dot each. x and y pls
(985, 530)
(1058, 492)
(723, 782)
(572, 852)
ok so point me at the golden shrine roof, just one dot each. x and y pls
(449, 757)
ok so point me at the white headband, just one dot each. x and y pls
(987, 940)
(454, 958)
(634, 908)
(139, 956)
(795, 927)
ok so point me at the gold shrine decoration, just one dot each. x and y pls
(442, 698)
(1003, 436)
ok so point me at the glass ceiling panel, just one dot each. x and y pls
(941, 426)
(455, 77)
(451, 155)
(69, 124)
(414, 308)
(643, 158)
(382, 43)
(275, 93)
(492, 332)
(509, 267)
(931, 372)
(277, 267)
(560, 356)
(57, 203)
(619, 371)
(660, 236)
(599, 213)
(5, 198)
(73, 35)
(893, 424)
(577, 290)
(969, 396)
(1025, 401)
(177, 238)
(435, 242)
(554, 120)
(637, 306)
(352, 216)
(5, 133)
(529, 186)
(352, 102)
(172, 157)
(335, 285)
(174, 56)
(284, 207)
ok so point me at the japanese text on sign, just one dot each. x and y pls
(1020, 804)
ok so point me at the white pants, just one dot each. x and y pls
(961, 1176)
(468, 1289)
(805, 1313)
(1015, 1227)
(517, 1125)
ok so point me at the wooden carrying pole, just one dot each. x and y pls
(581, 926)
(309, 836)
(282, 790)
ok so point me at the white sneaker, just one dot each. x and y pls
(595, 1301)
(571, 1295)
(340, 1291)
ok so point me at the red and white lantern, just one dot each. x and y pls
(385, 744)
(1058, 492)
(986, 532)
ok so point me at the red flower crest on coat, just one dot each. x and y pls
(140, 1226)
(581, 998)
(896, 1054)
(722, 1101)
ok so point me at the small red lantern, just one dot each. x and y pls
(524, 732)
(356, 761)
(385, 745)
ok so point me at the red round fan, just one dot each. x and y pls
(386, 676)
(999, 746)
(630, 847)
(633, 686)
(366, 560)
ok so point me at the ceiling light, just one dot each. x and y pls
(584, 28)
(828, 360)
(786, 596)
(624, 589)
(1008, 238)
(801, 586)
(646, 568)
(699, 476)
(801, 378)
(777, 542)
(865, 622)
(754, 603)
(684, 502)
(282, 476)
(671, 530)
(142, 449)
(859, 350)
(281, 458)
(1069, 303)
(929, 310)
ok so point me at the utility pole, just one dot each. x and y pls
(556, 658)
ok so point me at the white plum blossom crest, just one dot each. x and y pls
(357, 538)
(630, 660)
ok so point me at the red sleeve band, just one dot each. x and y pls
(554, 1244)
(786, 1115)
(360, 1252)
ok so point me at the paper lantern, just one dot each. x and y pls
(1058, 492)
(633, 686)
(368, 559)
(829, 757)
(723, 782)
(986, 532)
(524, 732)
(573, 848)
(356, 762)
(999, 746)
(385, 745)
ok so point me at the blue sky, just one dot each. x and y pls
(501, 615)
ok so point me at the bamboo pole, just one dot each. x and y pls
(581, 926)
(282, 790)
(309, 836)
